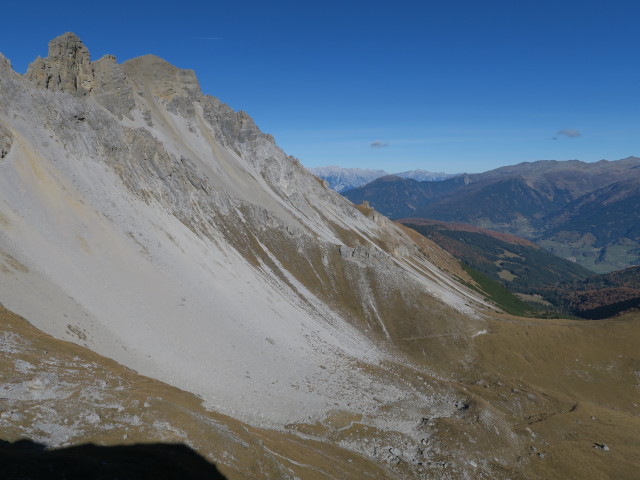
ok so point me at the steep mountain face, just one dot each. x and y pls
(343, 179)
(539, 201)
(158, 227)
(154, 226)
(602, 228)
(160, 216)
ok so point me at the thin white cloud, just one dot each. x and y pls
(379, 144)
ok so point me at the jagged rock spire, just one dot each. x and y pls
(66, 69)
(5, 64)
(69, 69)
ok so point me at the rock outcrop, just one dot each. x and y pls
(6, 139)
(111, 89)
(67, 68)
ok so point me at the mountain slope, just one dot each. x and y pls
(159, 228)
(182, 209)
(602, 227)
(63, 394)
(519, 264)
(600, 296)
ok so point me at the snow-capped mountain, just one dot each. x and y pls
(344, 179)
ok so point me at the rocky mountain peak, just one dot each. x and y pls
(66, 69)
(160, 77)
(69, 69)
(69, 46)
(5, 63)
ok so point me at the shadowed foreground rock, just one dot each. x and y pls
(27, 460)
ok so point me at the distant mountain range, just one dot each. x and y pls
(344, 179)
(588, 213)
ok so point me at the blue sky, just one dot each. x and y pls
(443, 86)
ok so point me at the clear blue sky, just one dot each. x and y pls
(444, 86)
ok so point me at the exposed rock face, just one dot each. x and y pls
(6, 139)
(5, 63)
(187, 210)
(69, 69)
(66, 69)
(111, 88)
(160, 228)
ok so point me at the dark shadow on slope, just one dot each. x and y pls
(28, 460)
(611, 310)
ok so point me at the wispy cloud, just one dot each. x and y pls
(569, 133)
(208, 38)
(379, 144)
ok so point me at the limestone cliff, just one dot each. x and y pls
(67, 68)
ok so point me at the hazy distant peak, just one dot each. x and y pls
(333, 169)
(389, 179)
(343, 179)
(425, 175)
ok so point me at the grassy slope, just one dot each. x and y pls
(591, 370)
(495, 292)
(562, 385)
(520, 266)
(516, 263)
(500, 263)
